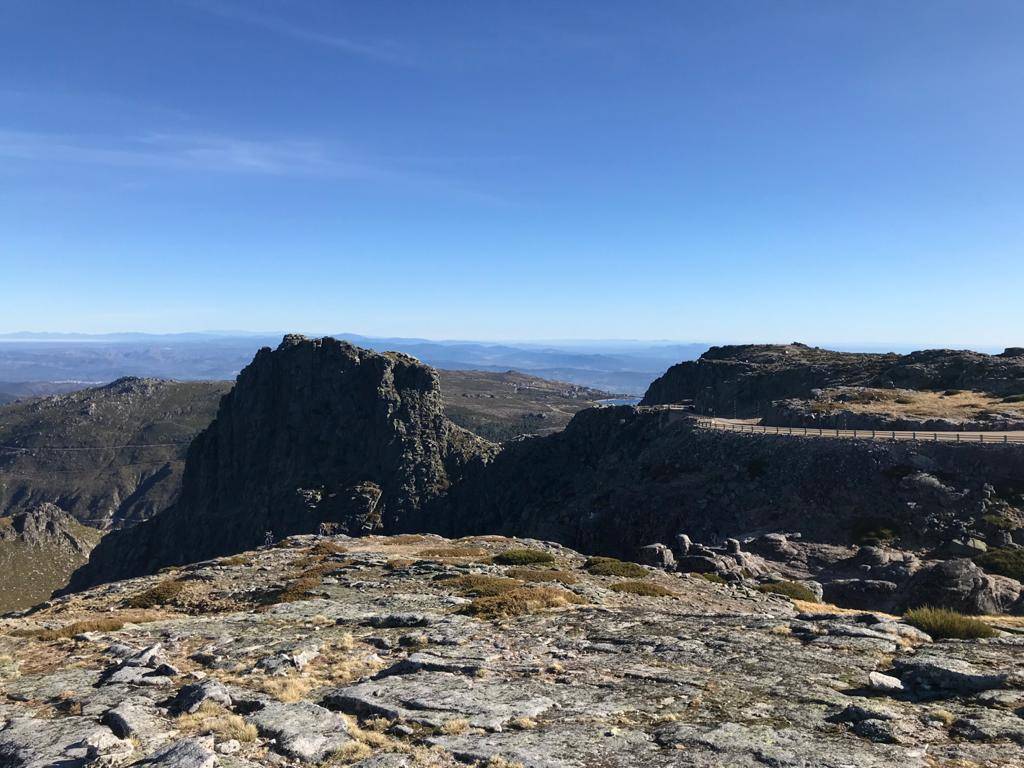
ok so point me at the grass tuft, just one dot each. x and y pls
(609, 566)
(524, 557)
(941, 623)
(212, 718)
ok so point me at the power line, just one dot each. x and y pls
(69, 449)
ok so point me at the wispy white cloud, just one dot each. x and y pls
(386, 51)
(210, 153)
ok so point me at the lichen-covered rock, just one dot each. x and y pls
(408, 673)
(302, 730)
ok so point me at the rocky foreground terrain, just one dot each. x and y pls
(419, 651)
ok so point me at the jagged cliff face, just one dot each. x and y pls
(619, 478)
(745, 380)
(315, 433)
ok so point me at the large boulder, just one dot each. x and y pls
(962, 586)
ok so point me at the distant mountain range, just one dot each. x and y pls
(615, 366)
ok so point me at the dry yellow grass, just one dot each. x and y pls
(454, 727)
(235, 560)
(399, 563)
(214, 719)
(286, 689)
(352, 752)
(109, 623)
(445, 552)
(918, 403)
(404, 538)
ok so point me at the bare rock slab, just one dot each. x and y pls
(432, 698)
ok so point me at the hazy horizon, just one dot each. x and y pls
(895, 346)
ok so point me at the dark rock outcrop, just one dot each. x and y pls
(315, 433)
(745, 379)
(619, 478)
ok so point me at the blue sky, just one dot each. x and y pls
(825, 171)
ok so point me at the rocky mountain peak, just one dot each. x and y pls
(316, 432)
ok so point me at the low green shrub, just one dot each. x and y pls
(524, 557)
(643, 588)
(791, 589)
(1004, 561)
(521, 601)
(163, 593)
(714, 578)
(1001, 522)
(941, 623)
(482, 585)
(874, 530)
(609, 566)
(543, 575)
